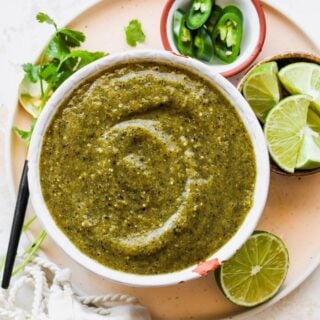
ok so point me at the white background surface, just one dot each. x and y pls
(21, 39)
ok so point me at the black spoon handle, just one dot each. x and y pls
(17, 224)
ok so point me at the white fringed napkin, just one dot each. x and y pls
(53, 298)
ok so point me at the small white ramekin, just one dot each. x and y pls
(254, 32)
(248, 118)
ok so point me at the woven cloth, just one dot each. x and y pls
(52, 297)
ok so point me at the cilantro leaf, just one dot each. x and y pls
(25, 135)
(56, 72)
(57, 48)
(43, 17)
(134, 33)
(49, 70)
(85, 57)
(71, 38)
(32, 71)
(67, 69)
(72, 62)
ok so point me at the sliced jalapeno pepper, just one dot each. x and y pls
(185, 39)
(176, 24)
(213, 19)
(199, 13)
(227, 34)
(203, 45)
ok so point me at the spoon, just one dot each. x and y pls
(17, 224)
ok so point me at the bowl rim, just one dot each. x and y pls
(257, 49)
(303, 55)
(227, 89)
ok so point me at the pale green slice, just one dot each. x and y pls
(302, 78)
(30, 96)
(285, 128)
(256, 272)
(313, 120)
(262, 90)
(309, 155)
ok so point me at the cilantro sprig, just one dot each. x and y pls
(58, 61)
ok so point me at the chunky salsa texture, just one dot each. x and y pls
(147, 168)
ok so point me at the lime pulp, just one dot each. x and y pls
(292, 143)
(302, 78)
(262, 90)
(256, 272)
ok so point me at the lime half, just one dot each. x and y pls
(262, 90)
(302, 78)
(285, 128)
(256, 272)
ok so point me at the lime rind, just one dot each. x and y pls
(302, 78)
(256, 272)
(262, 89)
(284, 130)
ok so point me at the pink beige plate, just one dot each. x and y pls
(292, 211)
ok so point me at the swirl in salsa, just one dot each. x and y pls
(147, 168)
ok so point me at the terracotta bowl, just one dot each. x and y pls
(282, 60)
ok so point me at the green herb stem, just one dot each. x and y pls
(28, 224)
(42, 57)
(30, 252)
(45, 97)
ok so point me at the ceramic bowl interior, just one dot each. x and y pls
(227, 89)
(254, 32)
(282, 60)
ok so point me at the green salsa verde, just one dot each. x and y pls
(147, 168)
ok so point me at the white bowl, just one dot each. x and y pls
(254, 33)
(247, 116)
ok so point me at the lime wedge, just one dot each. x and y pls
(262, 90)
(302, 78)
(256, 272)
(285, 129)
(309, 155)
